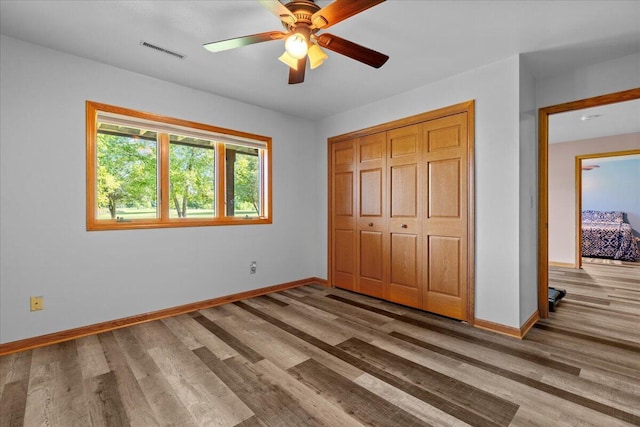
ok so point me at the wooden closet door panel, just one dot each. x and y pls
(371, 266)
(445, 236)
(405, 211)
(344, 259)
(371, 188)
(404, 281)
(343, 214)
(371, 214)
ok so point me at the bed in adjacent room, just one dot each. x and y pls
(606, 235)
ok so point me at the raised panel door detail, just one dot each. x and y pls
(404, 145)
(371, 255)
(343, 194)
(371, 151)
(444, 188)
(404, 191)
(400, 213)
(446, 137)
(444, 265)
(371, 192)
(344, 157)
(446, 223)
(343, 241)
(404, 249)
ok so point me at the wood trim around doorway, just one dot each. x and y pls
(543, 180)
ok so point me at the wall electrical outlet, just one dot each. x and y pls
(36, 303)
(253, 267)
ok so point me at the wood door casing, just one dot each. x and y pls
(405, 212)
(371, 214)
(445, 236)
(343, 216)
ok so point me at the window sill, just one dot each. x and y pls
(106, 225)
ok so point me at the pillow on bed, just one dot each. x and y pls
(601, 216)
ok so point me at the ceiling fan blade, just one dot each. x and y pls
(352, 50)
(297, 76)
(340, 10)
(279, 10)
(244, 41)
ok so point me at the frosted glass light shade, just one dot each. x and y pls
(289, 60)
(316, 56)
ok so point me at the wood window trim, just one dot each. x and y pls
(164, 221)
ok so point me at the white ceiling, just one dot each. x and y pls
(426, 41)
(606, 120)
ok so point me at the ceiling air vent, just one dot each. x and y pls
(161, 49)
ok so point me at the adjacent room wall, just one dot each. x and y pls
(89, 277)
(613, 187)
(562, 189)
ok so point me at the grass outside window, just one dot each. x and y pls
(150, 171)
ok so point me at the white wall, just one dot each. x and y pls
(586, 82)
(89, 277)
(495, 88)
(528, 195)
(506, 165)
(562, 188)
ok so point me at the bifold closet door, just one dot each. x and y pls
(405, 212)
(343, 214)
(445, 232)
(372, 213)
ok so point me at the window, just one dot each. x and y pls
(148, 171)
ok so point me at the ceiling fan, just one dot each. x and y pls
(302, 20)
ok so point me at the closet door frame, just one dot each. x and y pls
(469, 108)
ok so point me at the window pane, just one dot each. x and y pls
(243, 181)
(191, 177)
(126, 186)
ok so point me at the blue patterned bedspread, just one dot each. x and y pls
(608, 240)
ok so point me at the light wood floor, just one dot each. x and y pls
(316, 356)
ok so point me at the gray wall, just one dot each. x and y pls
(528, 195)
(89, 277)
(495, 88)
(586, 82)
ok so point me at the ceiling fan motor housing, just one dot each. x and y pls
(303, 10)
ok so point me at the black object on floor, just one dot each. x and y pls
(555, 295)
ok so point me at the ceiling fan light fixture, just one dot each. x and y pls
(302, 19)
(296, 45)
(316, 56)
(289, 60)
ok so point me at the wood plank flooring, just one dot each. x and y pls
(314, 356)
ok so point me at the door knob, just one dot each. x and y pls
(370, 224)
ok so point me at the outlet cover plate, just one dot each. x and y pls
(36, 303)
